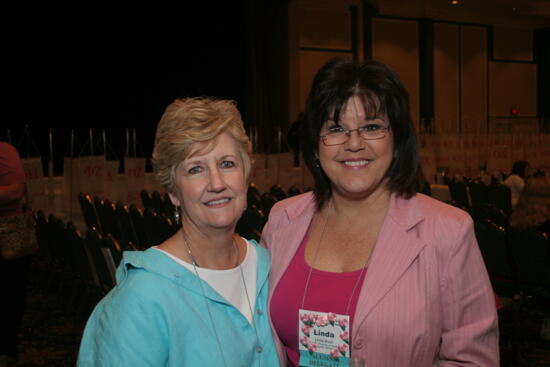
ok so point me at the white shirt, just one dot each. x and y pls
(231, 284)
(516, 185)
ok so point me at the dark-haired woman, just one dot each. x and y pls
(364, 266)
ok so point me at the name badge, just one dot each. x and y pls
(323, 339)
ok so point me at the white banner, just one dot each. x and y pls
(36, 184)
(133, 181)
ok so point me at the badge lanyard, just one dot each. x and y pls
(330, 335)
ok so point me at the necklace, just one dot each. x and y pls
(315, 259)
(195, 265)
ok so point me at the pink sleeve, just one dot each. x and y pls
(470, 327)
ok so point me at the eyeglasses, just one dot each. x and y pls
(337, 135)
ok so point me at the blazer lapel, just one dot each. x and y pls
(288, 238)
(396, 248)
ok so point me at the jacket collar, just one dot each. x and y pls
(405, 212)
(157, 262)
(303, 204)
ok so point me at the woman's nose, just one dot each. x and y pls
(354, 142)
(216, 183)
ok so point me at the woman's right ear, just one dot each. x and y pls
(174, 199)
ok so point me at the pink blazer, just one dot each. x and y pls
(426, 299)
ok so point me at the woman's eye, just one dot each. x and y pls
(335, 129)
(372, 127)
(228, 164)
(194, 170)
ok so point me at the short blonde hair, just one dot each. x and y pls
(191, 120)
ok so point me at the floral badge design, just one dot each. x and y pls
(311, 320)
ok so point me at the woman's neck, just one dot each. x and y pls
(213, 249)
(344, 206)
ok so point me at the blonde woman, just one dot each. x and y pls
(199, 298)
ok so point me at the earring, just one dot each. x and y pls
(177, 215)
(317, 163)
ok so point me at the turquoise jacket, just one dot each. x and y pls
(156, 315)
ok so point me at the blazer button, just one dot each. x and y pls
(358, 343)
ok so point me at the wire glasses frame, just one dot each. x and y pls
(340, 137)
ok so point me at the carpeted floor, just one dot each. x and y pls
(53, 324)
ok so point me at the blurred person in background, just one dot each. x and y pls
(13, 273)
(516, 180)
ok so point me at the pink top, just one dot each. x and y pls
(327, 292)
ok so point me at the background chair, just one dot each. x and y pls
(530, 250)
(158, 226)
(478, 194)
(94, 245)
(268, 200)
(278, 192)
(493, 243)
(88, 211)
(459, 193)
(139, 231)
(500, 196)
(251, 223)
(493, 213)
(294, 190)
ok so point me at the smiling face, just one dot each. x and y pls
(357, 168)
(211, 185)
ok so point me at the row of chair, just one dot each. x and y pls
(142, 228)
(518, 261)
(82, 265)
(474, 194)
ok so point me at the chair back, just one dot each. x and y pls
(268, 200)
(126, 232)
(493, 213)
(500, 196)
(139, 231)
(100, 258)
(81, 258)
(294, 190)
(459, 193)
(252, 187)
(253, 197)
(478, 193)
(146, 199)
(531, 253)
(157, 202)
(278, 192)
(88, 210)
(169, 208)
(251, 223)
(493, 244)
(158, 226)
(108, 217)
